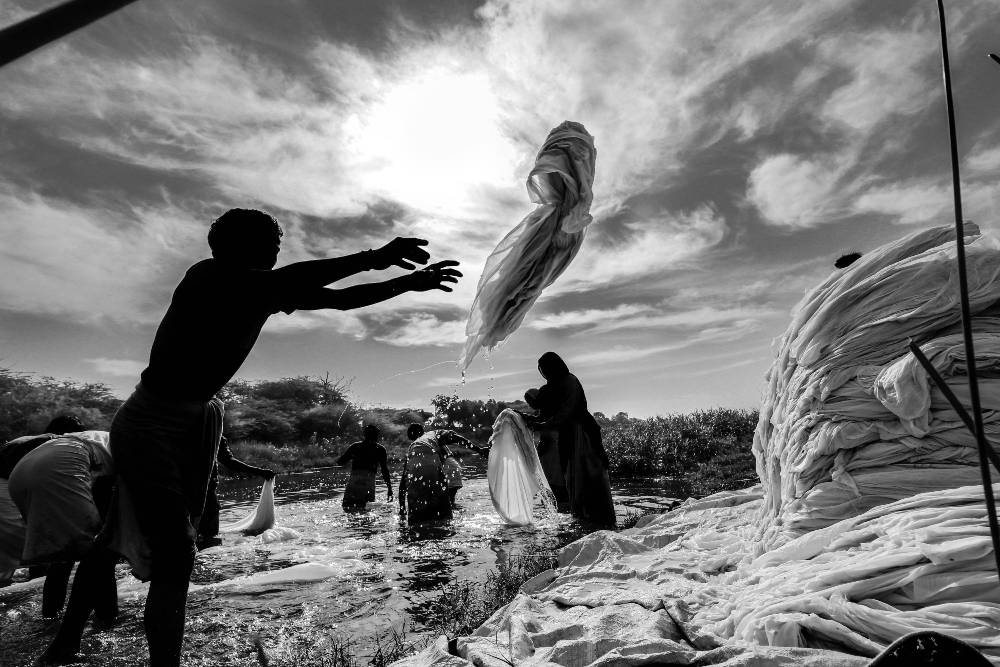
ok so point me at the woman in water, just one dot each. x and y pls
(578, 437)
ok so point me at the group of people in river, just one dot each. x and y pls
(570, 450)
(146, 489)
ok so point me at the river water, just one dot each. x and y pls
(354, 577)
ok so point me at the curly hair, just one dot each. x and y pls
(65, 424)
(238, 229)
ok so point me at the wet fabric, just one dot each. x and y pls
(684, 587)
(14, 450)
(423, 482)
(164, 451)
(258, 520)
(360, 488)
(514, 473)
(849, 419)
(536, 252)
(52, 486)
(452, 469)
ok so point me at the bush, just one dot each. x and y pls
(675, 444)
(28, 404)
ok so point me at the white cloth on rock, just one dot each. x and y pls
(532, 255)
(260, 519)
(514, 471)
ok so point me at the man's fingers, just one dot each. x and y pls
(443, 288)
(444, 264)
(405, 265)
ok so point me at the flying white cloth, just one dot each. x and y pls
(514, 472)
(539, 249)
(262, 517)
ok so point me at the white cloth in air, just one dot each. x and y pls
(260, 519)
(514, 472)
(532, 255)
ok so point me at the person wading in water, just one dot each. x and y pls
(366, 458)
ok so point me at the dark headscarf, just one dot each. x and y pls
(552, 367)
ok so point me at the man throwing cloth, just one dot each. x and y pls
(164, 437)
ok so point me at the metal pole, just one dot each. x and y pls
(963, 286)
(22, 38)
(996, 58)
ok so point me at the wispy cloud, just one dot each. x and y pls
(117, 367)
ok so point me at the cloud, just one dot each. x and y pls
(587, 318)
(656, 244)
(117, 367)
(92, 262)
(794, 192)
(424, 330)
(910, 203)
(622, 354)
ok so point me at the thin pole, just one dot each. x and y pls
(963, 286)
(32, 33)
(950, 395)
(996, 58)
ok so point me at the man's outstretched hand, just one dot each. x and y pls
(402, 252)
(435, 276)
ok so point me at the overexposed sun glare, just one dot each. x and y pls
(431, 140)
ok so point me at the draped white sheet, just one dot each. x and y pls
(260, 519)
(515, 474)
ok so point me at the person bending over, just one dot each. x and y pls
(165, 436)
(366, 458)
(423, 490)
(208, 526)
(12, 526)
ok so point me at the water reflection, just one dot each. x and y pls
(375, 571)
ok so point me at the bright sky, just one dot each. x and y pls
(742, 146)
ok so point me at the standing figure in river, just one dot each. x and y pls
(423, 489)
(563, 409)
(366, 458)
(548, 452)
(208, 526)
(165, 436)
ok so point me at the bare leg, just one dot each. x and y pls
(165, 606)
(91, 575)
(54, 590)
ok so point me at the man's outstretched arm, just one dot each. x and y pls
(435, 276)
(401, 252)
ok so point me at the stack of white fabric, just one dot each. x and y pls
(849, 419)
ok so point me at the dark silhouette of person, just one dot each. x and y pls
(581, 450)
(208, 527)
(548, 450)
(366, 457)
(56, 574)
(423, 489)
(165, 436)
